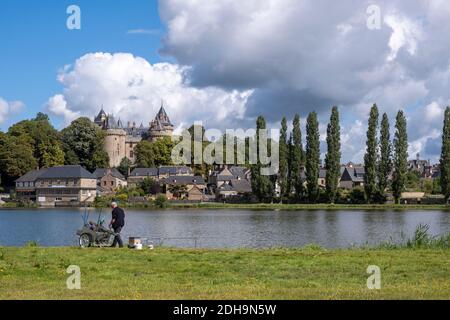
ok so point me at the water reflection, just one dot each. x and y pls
(228, 228)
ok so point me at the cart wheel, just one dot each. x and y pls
(85, 240)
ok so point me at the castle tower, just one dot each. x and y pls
(101, 118)
(115, 141)
(160, 127)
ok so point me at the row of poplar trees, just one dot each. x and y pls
(294, 160)
(383, 160)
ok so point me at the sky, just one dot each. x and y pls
(225, 62)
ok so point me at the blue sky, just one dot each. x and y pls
(225, 62)
(36, 42)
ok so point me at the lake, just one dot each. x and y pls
(226, 228)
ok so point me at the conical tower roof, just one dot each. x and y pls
(162, 116)
(101, 115)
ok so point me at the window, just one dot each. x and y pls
(131, 154)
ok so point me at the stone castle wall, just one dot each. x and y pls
(115, 146)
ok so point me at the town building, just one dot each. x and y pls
(422, 167)
(65, 186)
(121, 140)
(190, 188)
(26, 185)
(138, 175)
(109, 180)
(352, 177)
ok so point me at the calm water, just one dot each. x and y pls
(226, 228)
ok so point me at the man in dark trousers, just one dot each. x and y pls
(117, 223)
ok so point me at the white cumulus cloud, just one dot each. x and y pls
(9, 108)
(132, 89)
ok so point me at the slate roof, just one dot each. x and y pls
(175, 170)
(100, 173)
(242, 186)
(356, 174)
(184, 180)
(144, 172)
(31, 176)
(322, 174)
(64, 172)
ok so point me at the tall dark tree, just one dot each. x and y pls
(400, 157)
(261, 184)
(297, 158)
(333, 157)
(289, 163)
(385, 163)
(145, 155)
(125, 166)
(312, 157)
(83, 142)
(445, 156)
(283, 153)
(370, 158)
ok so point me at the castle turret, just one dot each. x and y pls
(101, 118)
(115, 141)
(160, 127)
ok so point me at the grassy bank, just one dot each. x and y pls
(309, 273)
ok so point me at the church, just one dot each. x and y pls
(121, 140)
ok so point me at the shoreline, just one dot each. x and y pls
(256, 207)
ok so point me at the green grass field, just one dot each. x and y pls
(308, 273)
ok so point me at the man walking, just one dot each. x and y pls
(117, 223)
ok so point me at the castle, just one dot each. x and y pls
(121, 141)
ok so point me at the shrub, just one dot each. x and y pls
(161, 201)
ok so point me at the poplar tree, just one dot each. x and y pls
(445, 155)
(283, 167)
(312, 157)
(297, 162)
(333, 157)
(400, 157)
(290, 158)
(385, 164)
(261, 185)
(370, 158)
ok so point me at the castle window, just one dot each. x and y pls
(131, 154)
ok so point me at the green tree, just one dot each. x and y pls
(333, 157)
(83, 142)
(150, 186)
(445, 156)
(297, 158)
(385, 163)
(43, 138)
(125, 166)
(312, 157)
(284, 153)
(145, 157)
(370, 158)
(179, 191)
(162, 151)
(16, 158)
(262, 185)
(400, 157)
